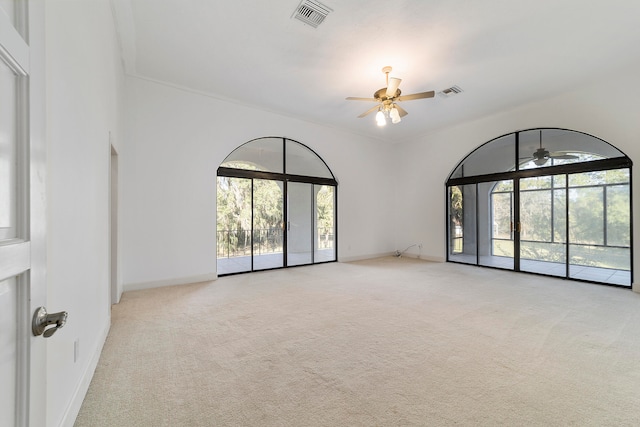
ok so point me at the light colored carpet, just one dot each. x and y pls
(387, 342)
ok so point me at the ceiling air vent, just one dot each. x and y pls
(449, 92)
(311, 12)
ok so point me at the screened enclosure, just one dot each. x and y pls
(546, 201)
(276, 207)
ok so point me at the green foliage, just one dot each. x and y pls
(456, 206)
(539, 182)
(535, 215)
(502, 222)
(233, 216)
(267, 204)
(501, 186)
(618, 216)
(240, 164)
(325, 216)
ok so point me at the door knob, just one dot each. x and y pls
(42, 319)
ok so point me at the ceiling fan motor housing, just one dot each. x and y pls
(540, 157)
(541, 153)
(381, 95)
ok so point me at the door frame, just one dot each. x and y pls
(38, 209)
(114, 282)
(292, 214)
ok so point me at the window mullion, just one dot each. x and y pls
(604, 215)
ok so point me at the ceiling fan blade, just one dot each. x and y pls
(355, 98)
(413, 96)
(562, 156)
(369, 111)
(401, 110)
(393, 86)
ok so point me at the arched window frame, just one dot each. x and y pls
(284, 176)
(457, 182)
(287, 179)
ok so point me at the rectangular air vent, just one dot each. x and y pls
(449, 92)
(311, 12)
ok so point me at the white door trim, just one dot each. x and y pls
(13, 49)
(116, 288)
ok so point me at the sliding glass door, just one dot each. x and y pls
(481, 224)
(234, 224)
(543, 224)
(462, 224)
(299, 223)
(575, 226)
(600, 226)
(268, 222)
(496, 224)
(249, 224)
(251, 229)
(324, 223)
(310, 223)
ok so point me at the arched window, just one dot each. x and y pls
(547, 201)
(276, 207)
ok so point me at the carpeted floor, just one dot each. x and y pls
(386, 342)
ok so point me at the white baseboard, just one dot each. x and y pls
(70, 415)
(170, 282)
(425, 257)
(363, 257)
(385, 254)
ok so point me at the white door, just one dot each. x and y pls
(22, 213)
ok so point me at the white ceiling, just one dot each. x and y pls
(502, 53)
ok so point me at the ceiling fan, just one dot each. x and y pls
(387, 97)
(542, 155)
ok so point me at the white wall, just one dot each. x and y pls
(84, 101)
(608, 109)
(176, 141)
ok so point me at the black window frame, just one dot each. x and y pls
(621, 162)
(285, 178)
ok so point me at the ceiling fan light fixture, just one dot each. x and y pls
(380, 118)
(395, 115)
